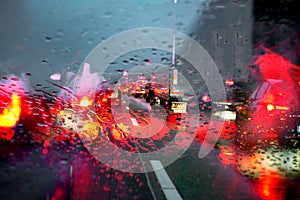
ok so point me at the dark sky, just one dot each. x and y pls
(277, 26)
(278, 11)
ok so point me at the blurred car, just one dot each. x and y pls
(205, 102)
(139, 91)
(139, 88)
(233, 105)
(272, 112)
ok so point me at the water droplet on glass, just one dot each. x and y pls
(55, 77)
(48, 38)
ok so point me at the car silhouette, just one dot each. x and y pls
(273, 107)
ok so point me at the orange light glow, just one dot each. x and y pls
(270, 98)
(104, 100)
(85, 102)
(117, 135)
(266, 186)
(90, 130)
(241, 108)
(11, 113)
(282, 108)
(270, 187)
(271, 107)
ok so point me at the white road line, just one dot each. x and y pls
(134, 122)
(146, 174)
(166, 184)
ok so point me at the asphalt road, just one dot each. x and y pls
(67, 170)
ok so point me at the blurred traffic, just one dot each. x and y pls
(260, 124)
(269, 112)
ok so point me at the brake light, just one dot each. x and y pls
(104, 99)
(270, 107)
(229, 82)
(240, 108)
(205, 98)
(11, 113)
(85, 102)
(281, 107)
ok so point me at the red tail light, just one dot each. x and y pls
(104, 100)
(229, 82)
(271, 107)
(205, 98)
(270, 99)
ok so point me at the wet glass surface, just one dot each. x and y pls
(73, 129)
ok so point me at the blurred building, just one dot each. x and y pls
(225, 31)
(232, 31)
(276, 27)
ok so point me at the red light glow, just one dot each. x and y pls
(277, 98)
(205, 98)
(229, 82)
(270, 61)
(269, 187)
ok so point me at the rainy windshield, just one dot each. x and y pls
(160, 99)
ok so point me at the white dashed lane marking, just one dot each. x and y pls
(166, 184)
(134, 122)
